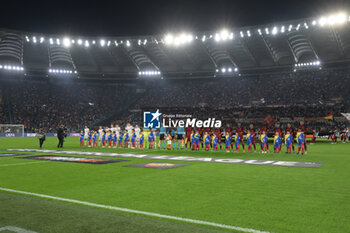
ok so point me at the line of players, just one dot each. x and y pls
(114, 137)
(233, 140)
(133, 137)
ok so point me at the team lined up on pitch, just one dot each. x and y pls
(135, 138)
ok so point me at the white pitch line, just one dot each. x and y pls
(135, 211)
(15, 229)
(15, 164)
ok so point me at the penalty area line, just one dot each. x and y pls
(163, 216)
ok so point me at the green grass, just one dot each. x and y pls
(270, 198)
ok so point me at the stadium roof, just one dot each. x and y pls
(297, 44)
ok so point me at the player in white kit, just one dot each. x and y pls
(86, 135)
(100, 130)
(137, 132)
(117, 131)
(129, 129)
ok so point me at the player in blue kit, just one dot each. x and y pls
(228, 141)
(151, 140)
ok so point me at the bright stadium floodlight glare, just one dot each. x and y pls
(183, 38)
(322, 21)
(128, 43)
(11, 68)
(34, 39)
(274, 31)
(93, 42)
(87, 43)
(248, 33)
(241, 33)
(314, 22)
(145, 42)
(80, 41)
(42, 40)
(308, 64)
(102, 43)
(51, 41)
(340, 18)
(223, 70)
(61, 71)
(66, 42)
(290, 27)
(282, 29)
(259, 31)
(267, 31)
(149, 73)
(229, 70)
(27, 39)
(58, 42)
(224, 34)
(217, 37)
(231, 36)
(169, 39)
(204, 38)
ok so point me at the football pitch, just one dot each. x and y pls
(54, 196)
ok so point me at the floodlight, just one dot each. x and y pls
(241, 33)
(259, 31)
(229, 69)
(248, 33)
(274, 30)
(282, 29)
(87, 43)
(145, 42)
(217, 70)
(51, 41)
(0, 66)
(169, 39)
(58, 41)
(322, 21)
(204, 38)
(223, 70)
(236, 69)
(102, 42)
(224, 34)
(231, 35)
(34, 39)
(27, 39)
(314, 22)
(127, 43)
(340, 18)
(66, 42)
(80, 41)
(217, 37)
(41, 40)
(93, 42)
(267, 31)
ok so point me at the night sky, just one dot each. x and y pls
(133, 18)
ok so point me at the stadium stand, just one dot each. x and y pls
(298, 69)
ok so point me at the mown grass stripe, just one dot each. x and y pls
(188, 220)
